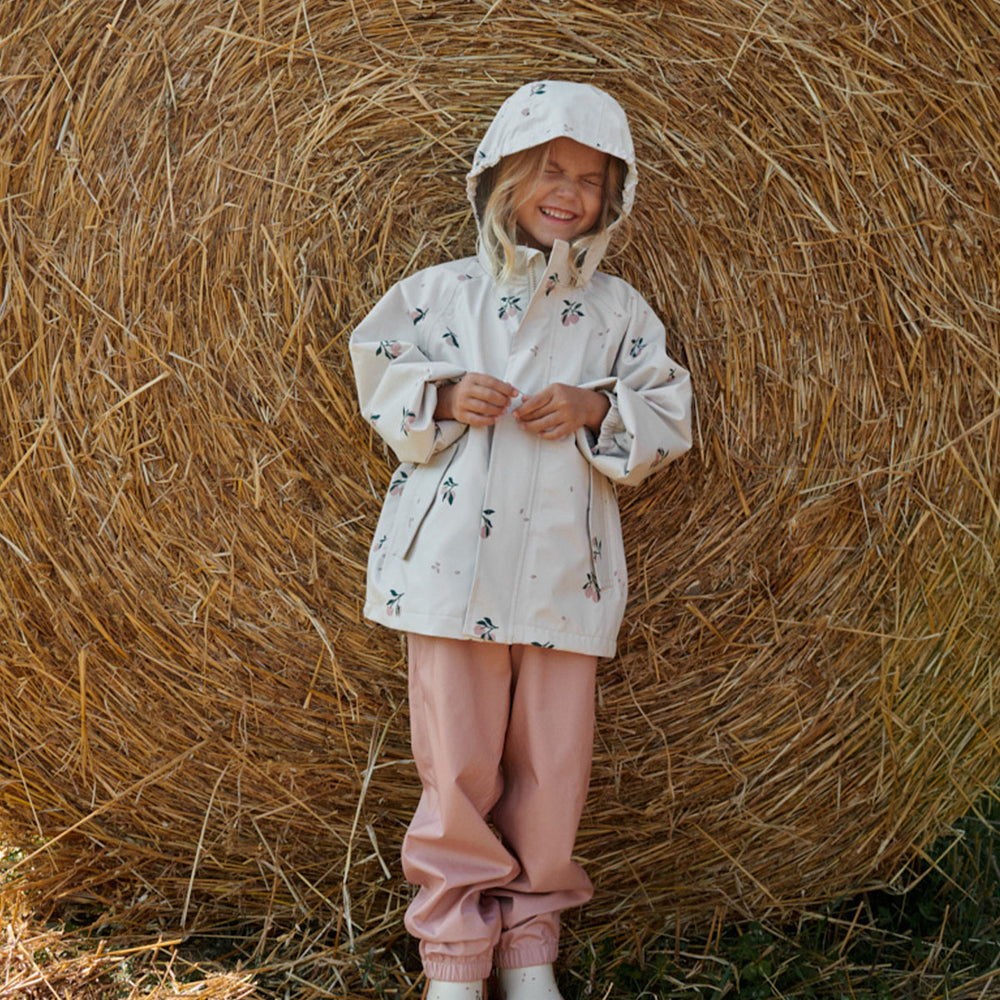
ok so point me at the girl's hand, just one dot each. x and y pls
(476, 399)
(560, 410)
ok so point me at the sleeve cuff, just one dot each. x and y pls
(614, 437)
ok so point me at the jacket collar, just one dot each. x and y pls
(534, 267)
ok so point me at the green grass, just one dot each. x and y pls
(939, 938)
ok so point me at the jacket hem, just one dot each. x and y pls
(451, 628)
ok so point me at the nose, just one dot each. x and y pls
(568, 187)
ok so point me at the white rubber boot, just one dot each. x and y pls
(534, 982)
(438, 989)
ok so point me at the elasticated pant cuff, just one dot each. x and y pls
(523, 958)
(464, 969)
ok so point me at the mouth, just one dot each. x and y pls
(557, 214)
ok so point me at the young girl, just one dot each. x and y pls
(515, 387)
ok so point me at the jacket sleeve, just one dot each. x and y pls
(397, 378)
(649, 421)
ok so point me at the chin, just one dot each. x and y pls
(546, 241)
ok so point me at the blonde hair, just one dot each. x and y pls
(497, 209)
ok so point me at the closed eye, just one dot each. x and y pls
(595, 181)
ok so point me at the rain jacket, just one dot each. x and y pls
(493, 533)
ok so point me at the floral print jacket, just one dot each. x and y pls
(495, 534)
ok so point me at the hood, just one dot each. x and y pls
(549, 109)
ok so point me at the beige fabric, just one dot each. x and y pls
(494, 533)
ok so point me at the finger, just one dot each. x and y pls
(483, 381)
(534, 406)
(543, 423)
(552, 433)
(492, 393)
(491, 398)
(473, 395)
(558, 430)
(481, 413)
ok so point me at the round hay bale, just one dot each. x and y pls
(199, 201)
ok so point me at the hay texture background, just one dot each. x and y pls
(199, 201)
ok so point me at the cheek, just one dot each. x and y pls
(525, 196)
(594, 203)
(540, 192)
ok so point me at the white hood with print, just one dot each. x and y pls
(552, 109)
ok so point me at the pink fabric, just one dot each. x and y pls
(500, 734)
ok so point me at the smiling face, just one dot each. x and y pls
(565, 200)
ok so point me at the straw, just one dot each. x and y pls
(199, 202)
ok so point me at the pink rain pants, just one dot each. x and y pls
(501, 735)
